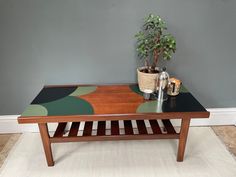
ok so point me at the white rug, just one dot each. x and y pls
(205, 156)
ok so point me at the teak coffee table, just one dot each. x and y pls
(122, 106)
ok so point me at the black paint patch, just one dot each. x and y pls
(184, 102)
(135, 88)
(51, 94)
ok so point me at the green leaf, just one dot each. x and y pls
(154, 37)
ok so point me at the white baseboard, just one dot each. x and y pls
(9, 124)
(218, 116)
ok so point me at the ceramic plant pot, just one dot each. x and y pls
(147, 80)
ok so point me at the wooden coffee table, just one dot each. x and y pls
(122, 106)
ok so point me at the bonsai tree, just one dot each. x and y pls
(153, 43)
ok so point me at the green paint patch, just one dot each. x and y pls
(35, 110)
(83, 90)
(69, 106)
(150, 107)
(135, 89)
(183, 89)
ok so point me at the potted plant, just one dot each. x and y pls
(153, 43)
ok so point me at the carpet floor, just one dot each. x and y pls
(205, 156)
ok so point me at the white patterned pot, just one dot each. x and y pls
(147, 80)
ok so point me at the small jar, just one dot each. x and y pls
(173, 86)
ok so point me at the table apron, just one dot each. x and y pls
(56, 119)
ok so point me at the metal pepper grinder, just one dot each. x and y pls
(162, 84)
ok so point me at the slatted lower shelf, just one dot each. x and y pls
(130, 130)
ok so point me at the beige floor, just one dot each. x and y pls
(7, 141)
(132, 158)
(226, 133)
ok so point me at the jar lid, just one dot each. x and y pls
(174, 80)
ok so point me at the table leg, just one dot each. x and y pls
(43, 128)
(183, 138)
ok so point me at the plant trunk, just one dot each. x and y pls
(155, 57)
(155, 53)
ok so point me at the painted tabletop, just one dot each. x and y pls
(105, 99)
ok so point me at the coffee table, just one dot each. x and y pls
(129, 116)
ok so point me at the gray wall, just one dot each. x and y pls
(92, 41)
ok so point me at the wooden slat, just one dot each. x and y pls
(169, 127)
(88, 128)
(115, 137)
(74, 129)
(60, 130)
(115, 128)
(155, 127)
(101, 130)
(141, 127)
(128, 127)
